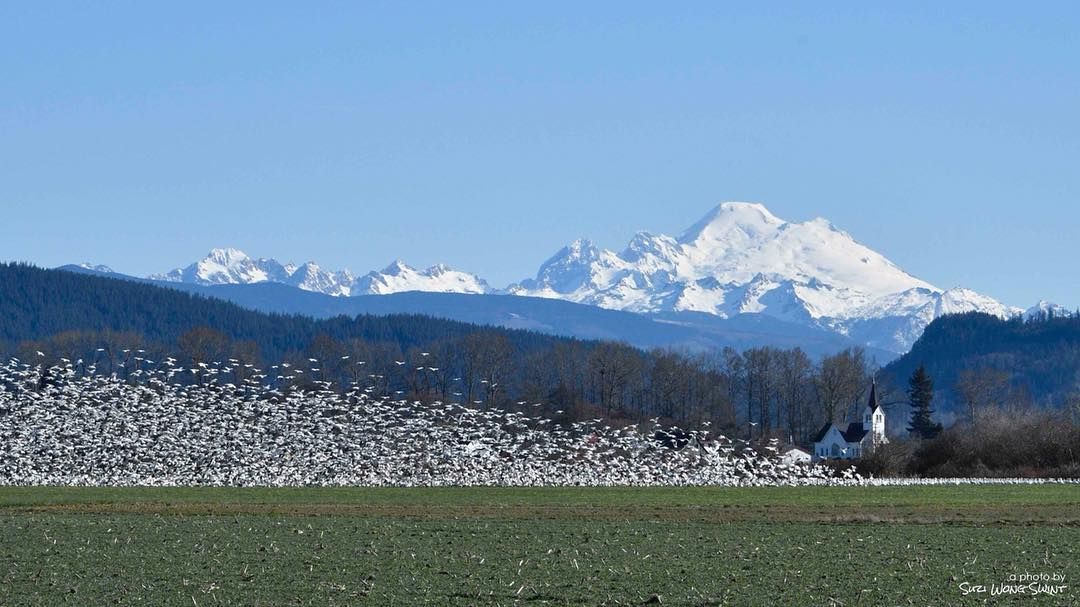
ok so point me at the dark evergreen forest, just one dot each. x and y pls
(979, 361)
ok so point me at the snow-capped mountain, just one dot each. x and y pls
(310, 277)
(739, 260)
(232, 266)
(1045, 308)
(742, 259)
(399, 276)
(99, 268)
(227, 267)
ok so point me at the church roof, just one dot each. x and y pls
(872, 403)
(854, 433)
(821, 433)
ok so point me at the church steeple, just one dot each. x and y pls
(874, 415)
(872, 404)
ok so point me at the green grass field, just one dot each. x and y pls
(498, 546)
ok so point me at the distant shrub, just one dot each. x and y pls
(1002, 443)
(890, 460)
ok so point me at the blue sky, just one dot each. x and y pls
(487, 135)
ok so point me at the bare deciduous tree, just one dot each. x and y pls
(980, 389)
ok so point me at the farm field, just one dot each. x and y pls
(539, 546)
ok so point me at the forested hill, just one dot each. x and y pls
(36, 304)
(1005, 362)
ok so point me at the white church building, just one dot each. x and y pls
(858, 439)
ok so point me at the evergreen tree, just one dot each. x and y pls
(920, 395)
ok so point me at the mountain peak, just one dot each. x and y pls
(397, 267)
(644, 238)
(226, 256)
(307, 266)
(581, 250)
(102, 268)
(735, 206)
(1046, 308)
(643, 245)
(740, 220)
(400, 276)
(581, 244)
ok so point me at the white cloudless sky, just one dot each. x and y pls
(488, 135)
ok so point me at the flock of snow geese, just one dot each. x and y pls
(67, 424)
